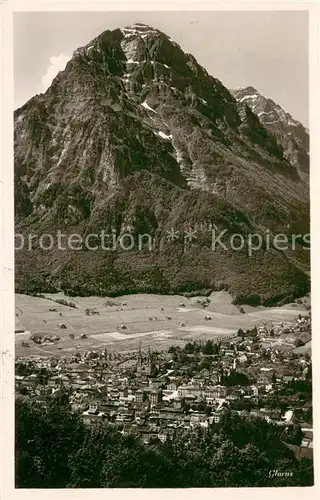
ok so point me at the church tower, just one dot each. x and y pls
(149, 365)
(139, 364)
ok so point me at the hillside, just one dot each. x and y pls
(134, 132)
(239, 453)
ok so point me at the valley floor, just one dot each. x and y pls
(124, 323)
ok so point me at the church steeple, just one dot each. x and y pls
(139, 363)
(140, 353)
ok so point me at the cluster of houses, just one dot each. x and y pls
(158, 410)
(288, 334)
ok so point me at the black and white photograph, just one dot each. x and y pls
(162, 277)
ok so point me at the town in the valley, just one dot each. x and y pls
(261, 372)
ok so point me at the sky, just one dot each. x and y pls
(265, 49)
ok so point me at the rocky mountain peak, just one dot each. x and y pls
(290, 133)
(140, 29)
(136, 132)
(247, 91)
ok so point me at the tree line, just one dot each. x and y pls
(55, 449)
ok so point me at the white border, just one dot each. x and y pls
(7, 7)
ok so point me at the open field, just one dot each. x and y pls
(150, 320)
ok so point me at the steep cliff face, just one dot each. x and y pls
(135, 132)
(291, 134)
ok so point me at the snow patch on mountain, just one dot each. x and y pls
(165, 136)
(146, 106)
(246, 97)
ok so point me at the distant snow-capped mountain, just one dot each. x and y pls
(290, 133)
